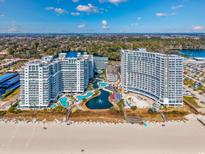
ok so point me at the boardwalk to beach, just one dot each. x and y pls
(59, 138)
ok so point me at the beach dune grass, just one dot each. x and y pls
(170, 113)
(59, 113)
(192, 101)
(112, 115)
(95, 116)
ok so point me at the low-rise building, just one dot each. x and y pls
(8, 62)
(9, 82)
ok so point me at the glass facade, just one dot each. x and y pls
(100, 63)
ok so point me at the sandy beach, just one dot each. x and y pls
(97, 138)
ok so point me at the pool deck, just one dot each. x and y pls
(105, 89)
(85, 96)
(113, 103)
(81, 104)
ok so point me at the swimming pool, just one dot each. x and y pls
(102, 84)
(55, 105)
(64, 102)
(82, 97)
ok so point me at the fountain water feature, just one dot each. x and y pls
(101, 101)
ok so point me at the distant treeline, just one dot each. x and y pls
(110, 46)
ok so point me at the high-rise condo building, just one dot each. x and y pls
(43, 81)
(158, 76)
(100, 63)
(76, 70)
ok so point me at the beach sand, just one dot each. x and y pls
(97, 138)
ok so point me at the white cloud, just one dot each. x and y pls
(161, 14)
(198, 28)
(116, 1)
(75, 13)
(164, 14)
(75, 1)
(175, 7)
(57, 10)
(173, 13)
(104, 24)
(2, 15)
(87, 8)
(13, 28)
(81, 26)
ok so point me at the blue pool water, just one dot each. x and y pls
(95, 84)
(64, 102)
(55, 105)
(82, 97)
(102, 84)
(193, 53)
(100, 102)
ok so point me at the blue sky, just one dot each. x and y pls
(103, 16)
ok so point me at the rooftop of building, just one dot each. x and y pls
(64, 55)
(7, 76)
(144, 50)
(111, 69)
(72, 54)
(81, 55)
(100, 58)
